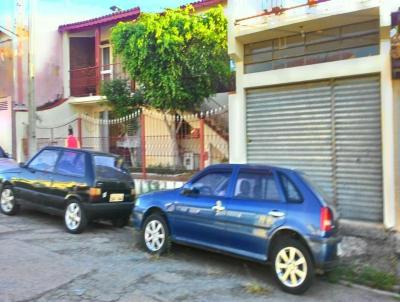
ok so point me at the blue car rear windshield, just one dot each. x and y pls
(317, 188)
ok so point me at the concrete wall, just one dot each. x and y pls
(6, 66)
(21, 119)
(6, 124)
(48, 57)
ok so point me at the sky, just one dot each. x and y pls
(67, 11)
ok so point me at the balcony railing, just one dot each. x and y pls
(87, 81)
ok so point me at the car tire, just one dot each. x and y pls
(292, 265)
(155, 235)
(8, 205)
(120, 222)
(75, 220)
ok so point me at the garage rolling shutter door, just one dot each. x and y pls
(330, 130)
(358, 148)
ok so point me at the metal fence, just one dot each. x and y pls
(151, 141)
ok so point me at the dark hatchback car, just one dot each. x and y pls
(262, 213)
(80, 185)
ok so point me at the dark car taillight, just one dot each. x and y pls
(94, 193)
(326, 219)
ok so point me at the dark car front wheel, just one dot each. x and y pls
(155, 235)
(75, 220)
(292, 265)
(8, 205)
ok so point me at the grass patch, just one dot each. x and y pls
(364, 275)
(255, 288)
(154, 257)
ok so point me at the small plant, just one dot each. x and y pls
(255, 288)
(162, 169)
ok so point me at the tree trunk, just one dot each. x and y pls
(175, 145)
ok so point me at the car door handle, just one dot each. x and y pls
(275, 213)
(218, 206)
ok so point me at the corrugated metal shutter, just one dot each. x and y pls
(328, 129)
(291, 126)
(358, 148)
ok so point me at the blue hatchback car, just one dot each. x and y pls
(262, 213)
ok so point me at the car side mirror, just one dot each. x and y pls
(189, 189)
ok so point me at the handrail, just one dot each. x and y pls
(93, 67)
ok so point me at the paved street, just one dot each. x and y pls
(41, 262)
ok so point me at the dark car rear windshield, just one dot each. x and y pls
(108, 166)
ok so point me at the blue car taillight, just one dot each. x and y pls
(326, 219)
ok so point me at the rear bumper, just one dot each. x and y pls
(108, 210)
(325, 252)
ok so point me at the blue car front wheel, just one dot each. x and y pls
(155, 234)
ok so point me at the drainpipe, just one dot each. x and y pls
(97, 41)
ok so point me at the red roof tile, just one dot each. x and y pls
(125, 15)
(206, 3)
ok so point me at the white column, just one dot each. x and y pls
(388, 122)
(237, 120)
(237, 101)
(66, 65)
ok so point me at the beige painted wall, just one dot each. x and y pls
(159, 147)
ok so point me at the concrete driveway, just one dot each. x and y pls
(39, 261)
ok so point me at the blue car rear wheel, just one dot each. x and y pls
(292, 265)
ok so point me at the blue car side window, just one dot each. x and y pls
(260, 186)
(213, 184)
(291, 191)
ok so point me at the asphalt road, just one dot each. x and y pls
(39, 261)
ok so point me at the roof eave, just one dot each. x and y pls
(128, 15)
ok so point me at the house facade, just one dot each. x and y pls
(84, 59)
(314, 91)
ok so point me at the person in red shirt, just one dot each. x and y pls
(72, 141)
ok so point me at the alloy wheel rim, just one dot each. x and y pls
(7, 200)
(154, 235)
(291, 267)
(73, 216)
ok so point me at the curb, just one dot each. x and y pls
(370, 289)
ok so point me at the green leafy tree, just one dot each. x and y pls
(119, 95)
(178, 57)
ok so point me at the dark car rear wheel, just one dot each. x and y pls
(75, 219)
(155, 235)
(8, 205)
(292, 265)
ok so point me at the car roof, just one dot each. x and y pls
(92, 152)
(253, 166)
